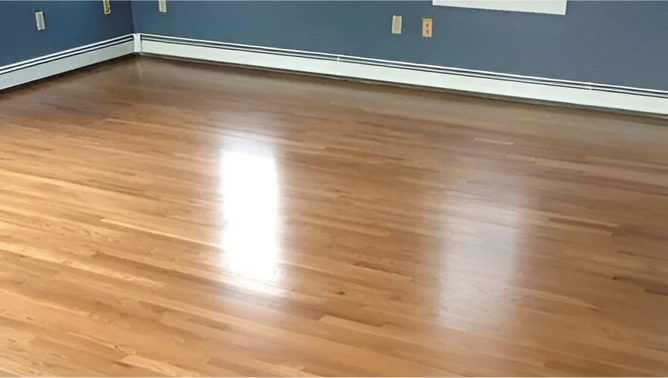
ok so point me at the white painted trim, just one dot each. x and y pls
(532, 6)
(68, 60)
(451, 81)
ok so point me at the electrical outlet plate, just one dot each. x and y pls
(106, 6)
(39, 19)
(427, 27)
(162, 6)
(396, 24)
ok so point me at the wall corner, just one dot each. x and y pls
(137, 42)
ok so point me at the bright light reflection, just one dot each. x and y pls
(481, 267)
(249, 186)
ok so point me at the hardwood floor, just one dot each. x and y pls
(165, 218)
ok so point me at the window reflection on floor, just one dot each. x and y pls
(249, 186)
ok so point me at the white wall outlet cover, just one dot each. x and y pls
(397, 24)
(39, 19)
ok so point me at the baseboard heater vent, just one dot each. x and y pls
(577, 93)
(482, 82)
(63, 61)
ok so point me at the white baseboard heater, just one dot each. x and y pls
(471, 81)
(63, 61)
(480, 82)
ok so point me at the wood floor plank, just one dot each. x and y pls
(179, 219)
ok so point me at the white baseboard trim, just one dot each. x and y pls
(481, 82)
(63, 61)
(488, 83)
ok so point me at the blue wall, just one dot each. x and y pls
(68, 24)
(608, 42)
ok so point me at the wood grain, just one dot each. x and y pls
(166, 218)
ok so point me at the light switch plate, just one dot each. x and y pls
(39, 19)
(397, 22)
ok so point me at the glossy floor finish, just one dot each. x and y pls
(164, 218)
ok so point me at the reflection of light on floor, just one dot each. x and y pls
(250, 214)
(480, 258)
